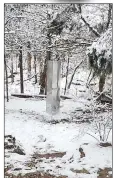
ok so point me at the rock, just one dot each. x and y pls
(19, 151)
(9, 140)
(28, 169)
(10, 143)
(104, 173)
(17, 169)
(41, 138)
(9, 146)
(58, 166)
(82, 171)
(105, 144)
(71, 159)
(6, 136)
(85, 143)
(82, 154)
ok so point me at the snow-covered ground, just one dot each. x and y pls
(24, 119)
(28, 122)
(78, 88)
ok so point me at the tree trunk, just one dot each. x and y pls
(101, 82)
(21, 70)
(29, 63)
(12, 76)
(6, 80)
(40, 70)
(109, 15)
(74, 73)
(43, 79)
(16, 57)
(66, 76)
(90, 28)
(62, 68)
(35, 69)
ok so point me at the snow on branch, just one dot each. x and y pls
(100, 53)
(10, 32)
(13, 18)
(104, 43)
(85, 21)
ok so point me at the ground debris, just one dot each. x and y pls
(34, 175)
(81, 171)
(105, 144)
(104, 173)
(49, 155)
(82, 154)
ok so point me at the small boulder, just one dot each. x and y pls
(19, 151)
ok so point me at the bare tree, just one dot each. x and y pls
(48, 57)
(74, 73)
(12, 76)
(16, 56)
(21, 70)
(6, 80)
(29, 63)
(102, 81)
(89, 26)
(109, 15)
(36, 81)
(67, 69)
(43, 78)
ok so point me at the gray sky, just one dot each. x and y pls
(68, 1)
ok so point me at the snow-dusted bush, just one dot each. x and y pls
(104, 43)
(100, 126)
(100, 57)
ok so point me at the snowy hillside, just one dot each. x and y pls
(58, 90)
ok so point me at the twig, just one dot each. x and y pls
(98, 128)
(108, 134)
(93, 136)
(88, 77)
(74, 73)
(27, 79)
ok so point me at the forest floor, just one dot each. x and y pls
(51, 143)
(39, 145)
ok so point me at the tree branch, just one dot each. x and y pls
(91, 28)
(109, 15)
(74, 73)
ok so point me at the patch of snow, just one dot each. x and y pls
(42, 137)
